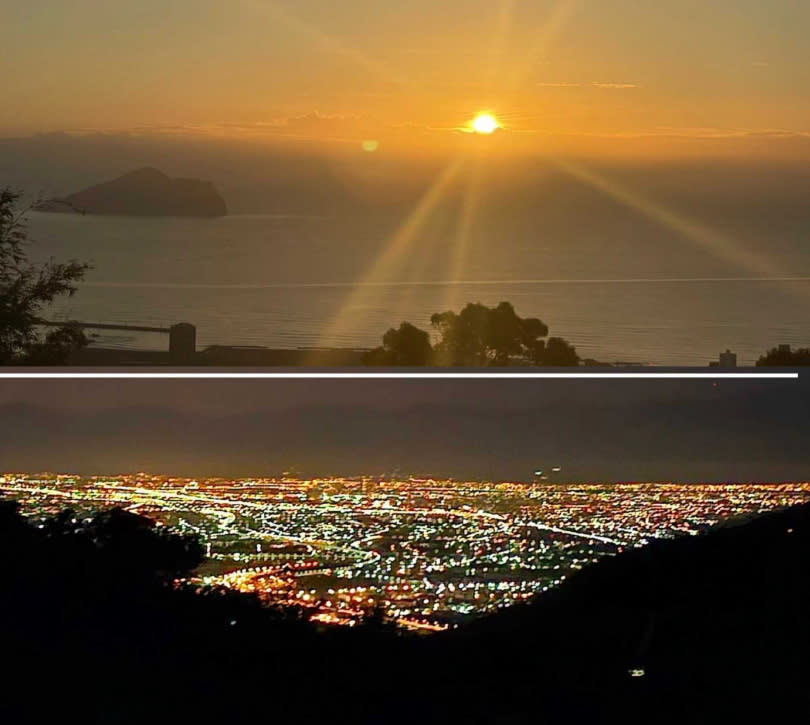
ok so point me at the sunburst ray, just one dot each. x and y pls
(376, 282)
(720, 245)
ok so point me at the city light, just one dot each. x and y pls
(422, 554)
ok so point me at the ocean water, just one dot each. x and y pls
(618, 283)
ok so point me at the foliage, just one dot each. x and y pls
(481, 335)
(26, 289)
(558, 353)
(478, 336)
(115, 543)
(785, 357)
(407, 345)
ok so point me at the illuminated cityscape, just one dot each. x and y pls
(422, 553)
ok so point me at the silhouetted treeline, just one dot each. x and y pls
(89, 613)
(478, 336)
(716, 628)
(27, 289)
(784, 356)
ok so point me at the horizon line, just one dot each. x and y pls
(408, 478)
(392, 375)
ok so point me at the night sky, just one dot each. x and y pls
(595, 430)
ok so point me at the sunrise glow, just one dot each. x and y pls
(485, 123)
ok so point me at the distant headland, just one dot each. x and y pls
(144, 192)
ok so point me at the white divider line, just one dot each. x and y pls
(388, 376)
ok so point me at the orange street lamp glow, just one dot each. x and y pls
(485, 123)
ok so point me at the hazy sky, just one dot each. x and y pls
(595, 430)
(626, 75)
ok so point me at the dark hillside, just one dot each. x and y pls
(718, 624)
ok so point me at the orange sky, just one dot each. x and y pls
(620, 78)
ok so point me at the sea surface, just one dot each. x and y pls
(672, 287)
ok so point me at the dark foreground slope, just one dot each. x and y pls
(143, 192)
(719, 624)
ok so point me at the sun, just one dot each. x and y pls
(485, 123)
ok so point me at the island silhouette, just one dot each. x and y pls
(143, 192)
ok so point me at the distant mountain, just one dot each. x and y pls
(144, 192)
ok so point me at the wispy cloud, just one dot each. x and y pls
(593, 84)
(339, 127)
(706, 133)
(615, 85)
(312, 125)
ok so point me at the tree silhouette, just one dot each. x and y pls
(478, 336)
(133, 544)
(407, 345)
(25, 289)
(785, 357)
(558, 353)
(481, 335)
